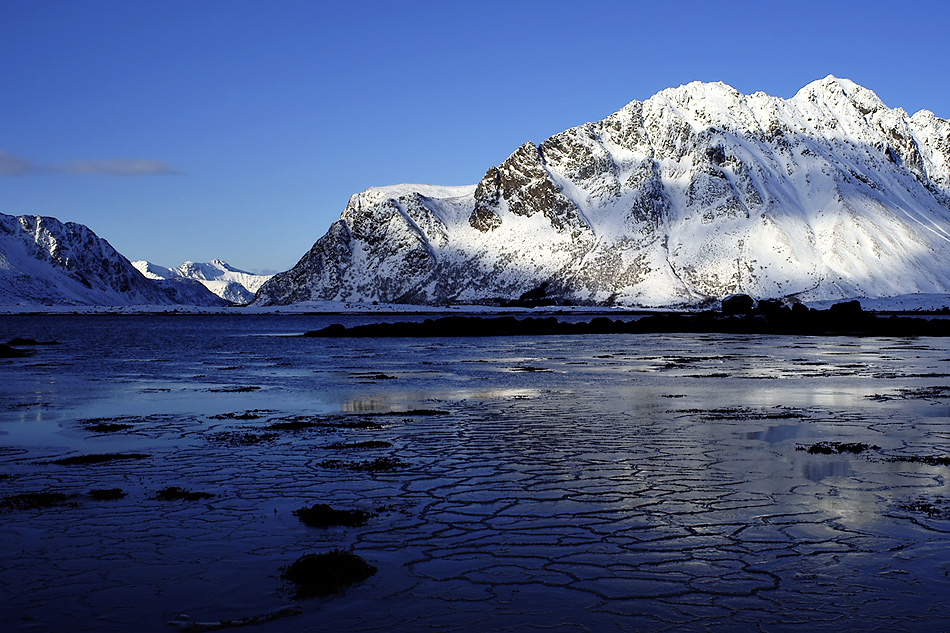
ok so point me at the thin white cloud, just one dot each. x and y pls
(11, 165)
(119, 167)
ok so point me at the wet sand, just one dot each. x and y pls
(627, 482)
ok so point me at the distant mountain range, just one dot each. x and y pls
(694, 194)
(47, 262)
(229, 283)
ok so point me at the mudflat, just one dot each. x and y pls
(156, 473)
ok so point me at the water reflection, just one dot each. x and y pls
(645, 482)
(818, 471)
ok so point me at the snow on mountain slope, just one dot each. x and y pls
(229, 283)
(694, 194)
(44, 261)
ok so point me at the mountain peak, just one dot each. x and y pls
(45, 261)
(834, 91)
(222, 279)
(694, 194)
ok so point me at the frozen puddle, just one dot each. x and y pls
(623, 483)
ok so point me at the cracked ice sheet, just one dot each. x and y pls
(655, 486)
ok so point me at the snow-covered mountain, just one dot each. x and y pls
(44, 261)
(229, 283)
(694, 194)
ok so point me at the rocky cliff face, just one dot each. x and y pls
(45, 261)
(697, 193)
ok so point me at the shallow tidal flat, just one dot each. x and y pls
(162, 473)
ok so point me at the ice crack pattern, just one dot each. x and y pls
(634, 482)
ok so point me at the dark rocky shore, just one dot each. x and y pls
(739, 315)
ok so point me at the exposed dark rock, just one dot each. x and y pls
(930, 460)
(107, 494)
(20, 342)
(97, 458)
(737, 304)
(936, 509)
(848, 320)
(9, 352)
(846, 309)
(322, 515)
(254, 414)
(107, 427)
(369, 444)
(380, 464)
(176, 493)
(299, 423)
(243, 438)
(412, 413)
(317, 575)
(33, 500)
(836, 448)
(770, 307)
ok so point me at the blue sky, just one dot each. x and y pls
(189, 130)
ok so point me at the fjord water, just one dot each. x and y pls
(617, 482)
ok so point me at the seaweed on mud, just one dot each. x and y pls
(239, 438)
(380, 464)
(360, 445)
(237, 389)
(176, 493)
(97, 458)
(939, 508)
(836, 448)
(107, 427)
(679, 362)
(107, 494)
(252, 620)
(13, 406)
(299, 423)
(930, 460)
(412, 413)
(531, 370)
(252, 414)
(373, 376)
(921, 393)
(118, 419)
(316, 575)
(33, 500)
(739, 413)
(322, 515)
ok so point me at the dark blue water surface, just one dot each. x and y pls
(601, 483)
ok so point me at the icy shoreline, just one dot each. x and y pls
(912, 303)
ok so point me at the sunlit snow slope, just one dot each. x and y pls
(694, 194)
(45, 261)
(229, 283)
